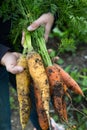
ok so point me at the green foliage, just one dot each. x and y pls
(60, 61)
(12, 99)
(12, 103)
(71, 24)
(67, 45)
(78, 107)
(52, 53)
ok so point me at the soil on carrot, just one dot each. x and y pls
(79, 59)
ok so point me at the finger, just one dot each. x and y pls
(36, 24)
(55, 59)
(15, 69)
(49, 50)
(33, 26)
(47, 31)
(17, 54)
(40, 21)
(53, 123)
(48, 26)
(44, 19)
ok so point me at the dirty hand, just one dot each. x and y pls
(9, 60)
(46, 20)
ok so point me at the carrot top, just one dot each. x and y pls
(39, 45)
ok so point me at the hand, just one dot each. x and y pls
(10, 61)
(55, 126)
(46, 20)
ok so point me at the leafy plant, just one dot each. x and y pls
(67, 45)
(71, 19)
(71, 26)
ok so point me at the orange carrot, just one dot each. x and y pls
(69, 81)
(42, 116)
(57, 90)
(53, 76)
(65, 87)
(39, 76)
(64, 110)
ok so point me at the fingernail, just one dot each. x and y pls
(30, 28)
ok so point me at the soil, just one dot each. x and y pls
(79, 59)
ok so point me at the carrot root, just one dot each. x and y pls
(57, 89)
(23, 83)
(69, 81)
(39, 76)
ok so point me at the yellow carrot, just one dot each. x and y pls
(23, 83)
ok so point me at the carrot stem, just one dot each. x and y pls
(39, 44)
(27, 43)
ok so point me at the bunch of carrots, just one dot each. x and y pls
(50, 81)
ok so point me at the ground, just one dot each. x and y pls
(79, 59)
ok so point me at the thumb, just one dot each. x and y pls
(35, 24)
